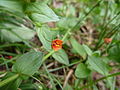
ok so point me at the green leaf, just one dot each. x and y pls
(61, 57)
(114, 53)
(97, 64)
(66, 23)
(11, 5)
(28, 63)
(45, 37)
(16, 34)
(78, 47)
(40, 12)
(82, 71)
(87, 49)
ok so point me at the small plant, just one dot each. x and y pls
(59, 44)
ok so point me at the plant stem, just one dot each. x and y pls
(48, 55)
(94, 82)
(4, 82)
(66, 34)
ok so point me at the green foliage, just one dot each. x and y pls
(12, 85)
(96, 63)
(36, 23)
(66, 23)
(114, 53)
(16, 33)
(10, 81)
(28, 63)
(82, 71)
(61, 57)
(40, 12)
(78, 47)
(11, 5)
(45, 36)
(87, 49)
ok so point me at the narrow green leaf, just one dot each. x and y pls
(12, 85)
(9, 79)
(82, 71)
(78, 47)
(28, 63)
(61, 57)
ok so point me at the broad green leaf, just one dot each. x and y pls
(78, 47)
(16, 33)
(87, 49)
(66, 23)
(11, 5)
(97, 64)
(61, 57)
(40, 12)
(28, 63)
(82, 71)
(114, 53)
(45, 36)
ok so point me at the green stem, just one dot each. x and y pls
(66, 34)
(94, 82)
(48, 55)
(4, 82)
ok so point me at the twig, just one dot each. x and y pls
(67, 77)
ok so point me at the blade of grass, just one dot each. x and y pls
(11, 44)
(6, 81)
(53, 70)
(57, 81)
(8, 53)
(51, 79)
